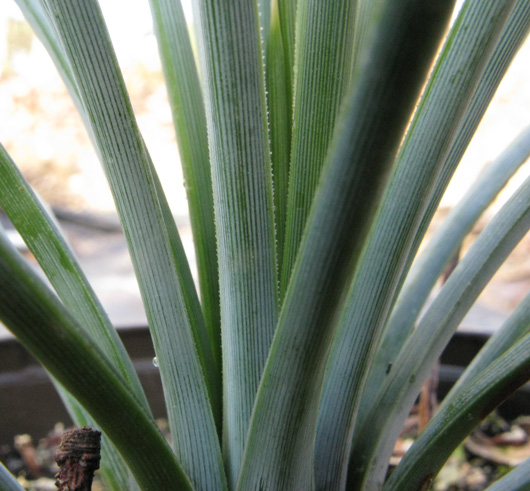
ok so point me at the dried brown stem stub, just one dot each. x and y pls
(78, 458)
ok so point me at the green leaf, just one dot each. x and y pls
(452, 84)
(516, 327)
(366, 20)
(279, 450)
(43, 325)
(179, 334)
(287, 11)
(231, 67)
(57, 261)
(514, 34)
(279, 110)
(8, 481)
(187, 108)
(509, 335)
(441, 247)
(324, 59)
(426, 343)
(377, 279)
(456, 419)
(114, 471)
(516, 480)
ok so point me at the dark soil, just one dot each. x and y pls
(489, 453)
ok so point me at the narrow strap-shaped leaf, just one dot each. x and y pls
(57, 261)
(172, 307)
(439, 115)
(191, 303)
(39, 20)
(187, 107)
(287, 11)
(114, 471)
(41, 234)
(517, 479)
(366, 20)
(324, 58)
(372, 449)
(190, 299)
(279, 110)
(449, 92)
(513, 330)
(279, 450)
(8, 481)
(515, 32)
(454, 421)
(427, 268)
(60, 266)
(42, 324)
(515, 327)
(231, 67)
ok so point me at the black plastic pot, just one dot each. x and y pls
(29, 403)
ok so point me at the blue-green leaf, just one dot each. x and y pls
(426, 343)
(324, 46)
(231, 66)
(8, 481)
(187, 108)
(172, 307)
(42, 324)
(279, 450)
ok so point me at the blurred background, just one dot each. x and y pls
(43, 133)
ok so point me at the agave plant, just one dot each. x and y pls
(316, 140)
